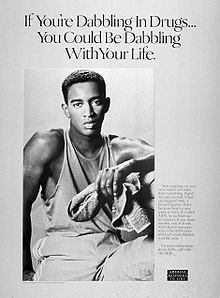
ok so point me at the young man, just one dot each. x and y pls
(62, 163)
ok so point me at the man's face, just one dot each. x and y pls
(86, 108)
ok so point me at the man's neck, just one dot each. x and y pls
(89, 146)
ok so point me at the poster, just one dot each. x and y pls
(179, 43)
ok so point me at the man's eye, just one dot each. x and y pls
(97, 102)
(77, 105)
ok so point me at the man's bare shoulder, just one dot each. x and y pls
(126, 148)
(45, 145)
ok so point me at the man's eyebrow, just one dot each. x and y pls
(90, 99)
(75, 99)
(96, 97)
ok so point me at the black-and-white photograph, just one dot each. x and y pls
(88, 205)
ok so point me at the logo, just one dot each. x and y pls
(177, 275)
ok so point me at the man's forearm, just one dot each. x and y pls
(143, 165)
(27, 261)
(28, 272)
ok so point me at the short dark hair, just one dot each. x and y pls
(80, 76)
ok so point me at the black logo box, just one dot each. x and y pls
(177, 275)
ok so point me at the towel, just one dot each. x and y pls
(127, 212)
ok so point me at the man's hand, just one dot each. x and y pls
(28, 275)
(109, 181)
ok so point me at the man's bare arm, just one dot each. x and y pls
(38, 152)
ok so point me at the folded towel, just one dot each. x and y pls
(127, 212)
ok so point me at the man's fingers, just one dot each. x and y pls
(116, 182)
(109, 181)
(28, 275)
(102, 183)
(120, 174)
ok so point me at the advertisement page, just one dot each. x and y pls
(110, 117)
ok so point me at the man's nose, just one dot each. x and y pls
(88, 110)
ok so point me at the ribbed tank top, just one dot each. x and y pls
(76, 174)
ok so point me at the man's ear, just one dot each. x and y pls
(107, 104)
(65, 110)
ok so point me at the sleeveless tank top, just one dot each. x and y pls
(76, 174)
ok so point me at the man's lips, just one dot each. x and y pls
(90, 124)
